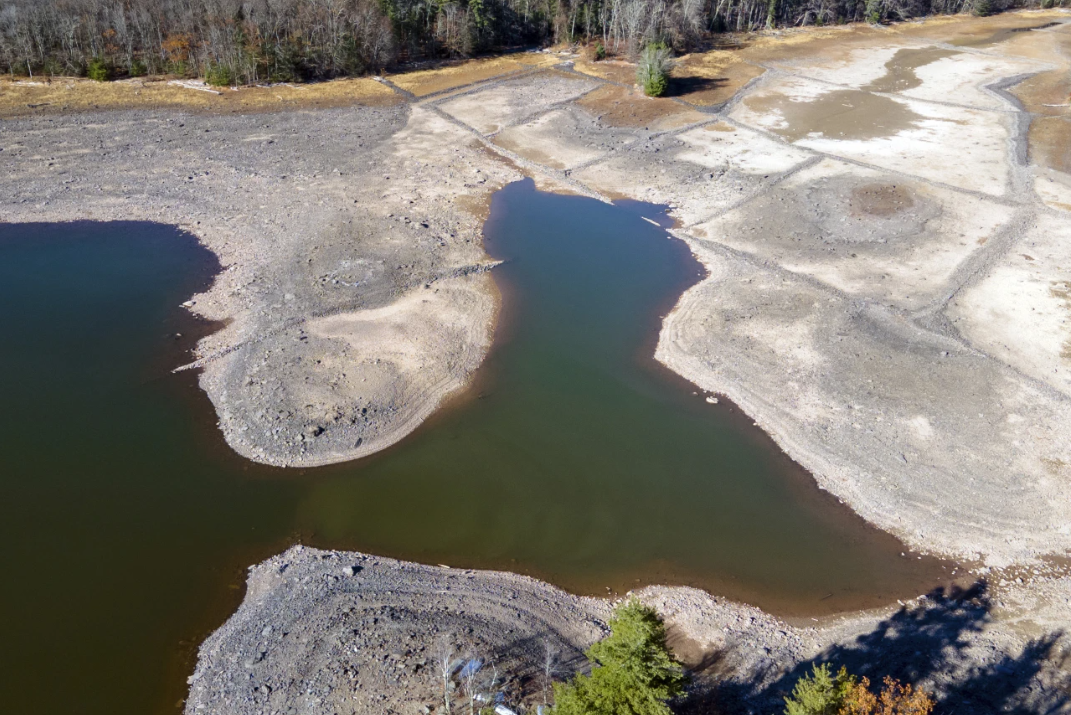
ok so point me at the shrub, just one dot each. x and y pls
(138, 69)
(819, 693)
(219, 75)
(894, 699)
(52, 67)
(822, 693)
(635, 672)
(982, 8)
(600, 52)
(98, 69)
(653, 70)
(874, 14)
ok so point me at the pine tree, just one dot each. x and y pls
(635, 672)
(820, 693)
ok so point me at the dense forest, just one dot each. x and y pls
(249, 41)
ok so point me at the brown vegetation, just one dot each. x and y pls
(22, 97)
(894, 699)
(421, 83)
(622, 107)
(253, 41)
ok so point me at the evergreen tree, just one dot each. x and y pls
(652, 71)
(820, 693)
(635, 674)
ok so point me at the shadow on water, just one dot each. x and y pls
(129, 522)
(928, 642)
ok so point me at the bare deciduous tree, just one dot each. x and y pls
(494, 678)
(286, 40)
(550, 667)
(469, 673)
(444, 662)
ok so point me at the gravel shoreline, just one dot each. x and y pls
(345, 632)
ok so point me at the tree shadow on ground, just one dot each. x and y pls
(683, 86)
(524, 665)
(927, 643)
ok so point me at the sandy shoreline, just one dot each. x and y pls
(889, 303)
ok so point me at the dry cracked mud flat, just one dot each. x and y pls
(885, 216)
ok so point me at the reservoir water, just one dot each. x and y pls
(574, 457)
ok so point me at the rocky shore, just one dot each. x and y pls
(344, 632)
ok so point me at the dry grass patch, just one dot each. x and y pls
(624, 107)
(703, 79)
(1040, 92)
(537, 59)
(1048, 45)
(969, 31)
(618, 71)
(711, 78)
(453, 75)
(21, 98)
(1047, 93)
(794, 43)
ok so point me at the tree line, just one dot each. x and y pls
(253, 41)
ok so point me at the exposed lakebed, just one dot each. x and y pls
(574, 457)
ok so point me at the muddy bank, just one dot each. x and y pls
(327, 631)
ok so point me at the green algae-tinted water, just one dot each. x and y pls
(574, 457)
(583, 461)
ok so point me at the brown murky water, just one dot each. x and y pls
(575, 457)
(900, 70)
(840, 114)
(999, 35)
(855, 113)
